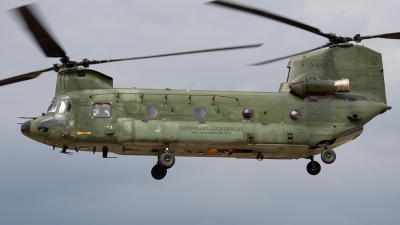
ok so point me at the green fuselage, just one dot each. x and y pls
(304, 117)
(223, 131)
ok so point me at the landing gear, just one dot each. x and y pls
(64, 150)
(328, 156)
(165, 161)
(260, 156)
(313, 167)
(158, 172)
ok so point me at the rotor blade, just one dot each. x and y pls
(23, 77)
(270, 16)
(174, 54)
(288, 56)
(42, 37)
(387, 36)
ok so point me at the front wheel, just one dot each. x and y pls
(167, 160)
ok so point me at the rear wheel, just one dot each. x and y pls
(158, 172)
(260, 156)
(313, 168)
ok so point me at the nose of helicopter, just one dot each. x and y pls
(26, 128)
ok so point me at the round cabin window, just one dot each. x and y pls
(247, 113)
(295, 115)
(152, 111)
(200, 112)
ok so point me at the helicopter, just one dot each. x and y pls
(328, 97)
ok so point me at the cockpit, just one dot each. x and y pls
(55, 120)
(63, 102)
(60, 107)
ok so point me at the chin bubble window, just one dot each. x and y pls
(45, 124)
(101, 110)
(247, 113)
(60, 120)
(295, 115)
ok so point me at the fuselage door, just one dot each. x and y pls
(125, 131)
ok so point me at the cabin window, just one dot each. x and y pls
(295, 115)
(247, 113)
(200, 112)
(152, 111)
(100, 110)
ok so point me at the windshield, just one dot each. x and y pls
(64, 104)
(53, 106)
(65, 107)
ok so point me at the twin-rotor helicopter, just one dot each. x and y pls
(328, 97)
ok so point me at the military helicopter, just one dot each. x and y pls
(328, 97)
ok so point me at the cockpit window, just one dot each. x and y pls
(60, 120)
(53, 106)
(101, 110)
(45, 124)
(65, 106)
(62, 107)
(69, 106)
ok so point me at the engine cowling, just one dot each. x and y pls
(313, 86)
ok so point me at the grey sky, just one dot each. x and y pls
(39, 185)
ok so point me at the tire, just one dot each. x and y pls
(158, 172)
(260, 157)
(167, 160)
(328, 156)
(313, 168)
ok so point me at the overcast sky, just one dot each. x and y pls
(38, 185)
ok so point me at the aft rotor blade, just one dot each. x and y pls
(288, 56)
(42, 37)
(270, 16)
(174, 54)
(387, 36)
(23, 77)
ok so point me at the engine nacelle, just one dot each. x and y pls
(313, 86)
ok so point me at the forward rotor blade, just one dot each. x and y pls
(387, 36)
(42, 37)
(178, 53)
(288, 56)
(23, 77)
(270, 16)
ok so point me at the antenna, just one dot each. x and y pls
(190, 87)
